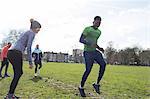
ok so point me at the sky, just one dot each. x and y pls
(124, 22)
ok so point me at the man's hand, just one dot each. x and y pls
(30, 66)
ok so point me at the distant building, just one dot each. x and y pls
(55, 57)
(70, 59)
(62, 57)
(78, 56)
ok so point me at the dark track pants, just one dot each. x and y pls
(36, 65)
(4, 62)
(90, 57)
(15, 58)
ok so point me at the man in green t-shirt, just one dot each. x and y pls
(89, 38)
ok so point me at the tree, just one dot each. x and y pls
(129, 56)
(144, 57)
(12, 37)
(110, 53)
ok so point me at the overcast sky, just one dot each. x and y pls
(125, 22)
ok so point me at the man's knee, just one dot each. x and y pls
(88, 70)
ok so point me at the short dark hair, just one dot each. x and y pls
(9, 43)
(97, 17)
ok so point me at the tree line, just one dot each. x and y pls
(128, 56)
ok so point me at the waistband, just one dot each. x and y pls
(14, 50)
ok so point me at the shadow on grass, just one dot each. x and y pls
(36, 79)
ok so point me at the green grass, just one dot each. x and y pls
(60, 81)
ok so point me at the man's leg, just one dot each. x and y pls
(36, 67)
(6, 69)
(40, 63)
(89, 60)
(2, 65)
(99, 59)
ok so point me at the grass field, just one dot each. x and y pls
(61, 81)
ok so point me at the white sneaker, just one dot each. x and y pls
(35, 74)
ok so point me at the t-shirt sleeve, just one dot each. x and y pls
(30, 40)
(85, 31)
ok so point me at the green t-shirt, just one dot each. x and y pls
(91, 35)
